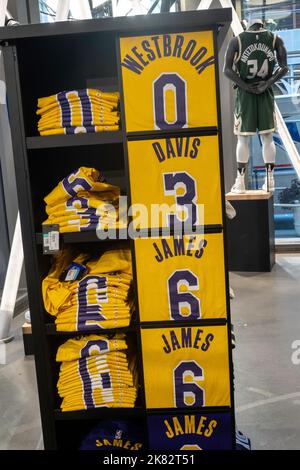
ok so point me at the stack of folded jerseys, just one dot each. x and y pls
(96, 371)
(78, 111)
(83, 201)
(95, 294)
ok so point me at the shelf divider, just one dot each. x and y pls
(74, 140)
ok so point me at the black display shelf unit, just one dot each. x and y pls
(40, 60)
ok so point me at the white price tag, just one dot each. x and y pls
(54, 241)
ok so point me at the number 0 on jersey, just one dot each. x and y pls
(169, 81)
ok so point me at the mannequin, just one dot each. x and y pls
(251, 64)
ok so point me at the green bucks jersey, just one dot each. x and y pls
(256, 57)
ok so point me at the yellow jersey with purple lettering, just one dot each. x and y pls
(187, 277)
(182, 177)
(175, 75)
(186, 367)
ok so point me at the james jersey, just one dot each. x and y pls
(91, 345)
(205, 431)
(99, 300)
(182, 176)
(186, 367)
(114, 436)
(101, 375)
(175, 75)
(255, 60)
(187, 280)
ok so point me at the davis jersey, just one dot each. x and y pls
(186, 367)
(256, 56)
(175, 76)
(205, 431)
(189, 277)
(182, 177)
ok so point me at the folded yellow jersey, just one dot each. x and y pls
(91, 345)
(79, 130)
(83, 94)
(83, 179)
(78, 121)
(102, 201)
(96, 104)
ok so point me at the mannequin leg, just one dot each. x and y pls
(269, 153)
(242, 157)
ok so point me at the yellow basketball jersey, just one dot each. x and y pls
(187, 280)
(183, 173)
(186, 367)
(175, 76)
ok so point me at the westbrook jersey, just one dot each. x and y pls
(175, 76)
(182, 177)
(187, 279)
(205, 431)
(256, 57)
(186, 367)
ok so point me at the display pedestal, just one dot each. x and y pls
(27, 339)
(250, 235)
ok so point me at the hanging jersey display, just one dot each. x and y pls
(186, 367)
(175, 74)
(189, 275)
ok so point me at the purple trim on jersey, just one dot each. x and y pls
(101, 344)
(87, 383)
(85, 311)
(88, 114)
(66, 112)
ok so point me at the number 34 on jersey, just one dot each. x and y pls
(169, 81)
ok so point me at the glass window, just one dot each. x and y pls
(284, 19)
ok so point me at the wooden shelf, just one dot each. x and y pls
(98, 413)
(51, 330)
(74, 140)
(249, 195)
